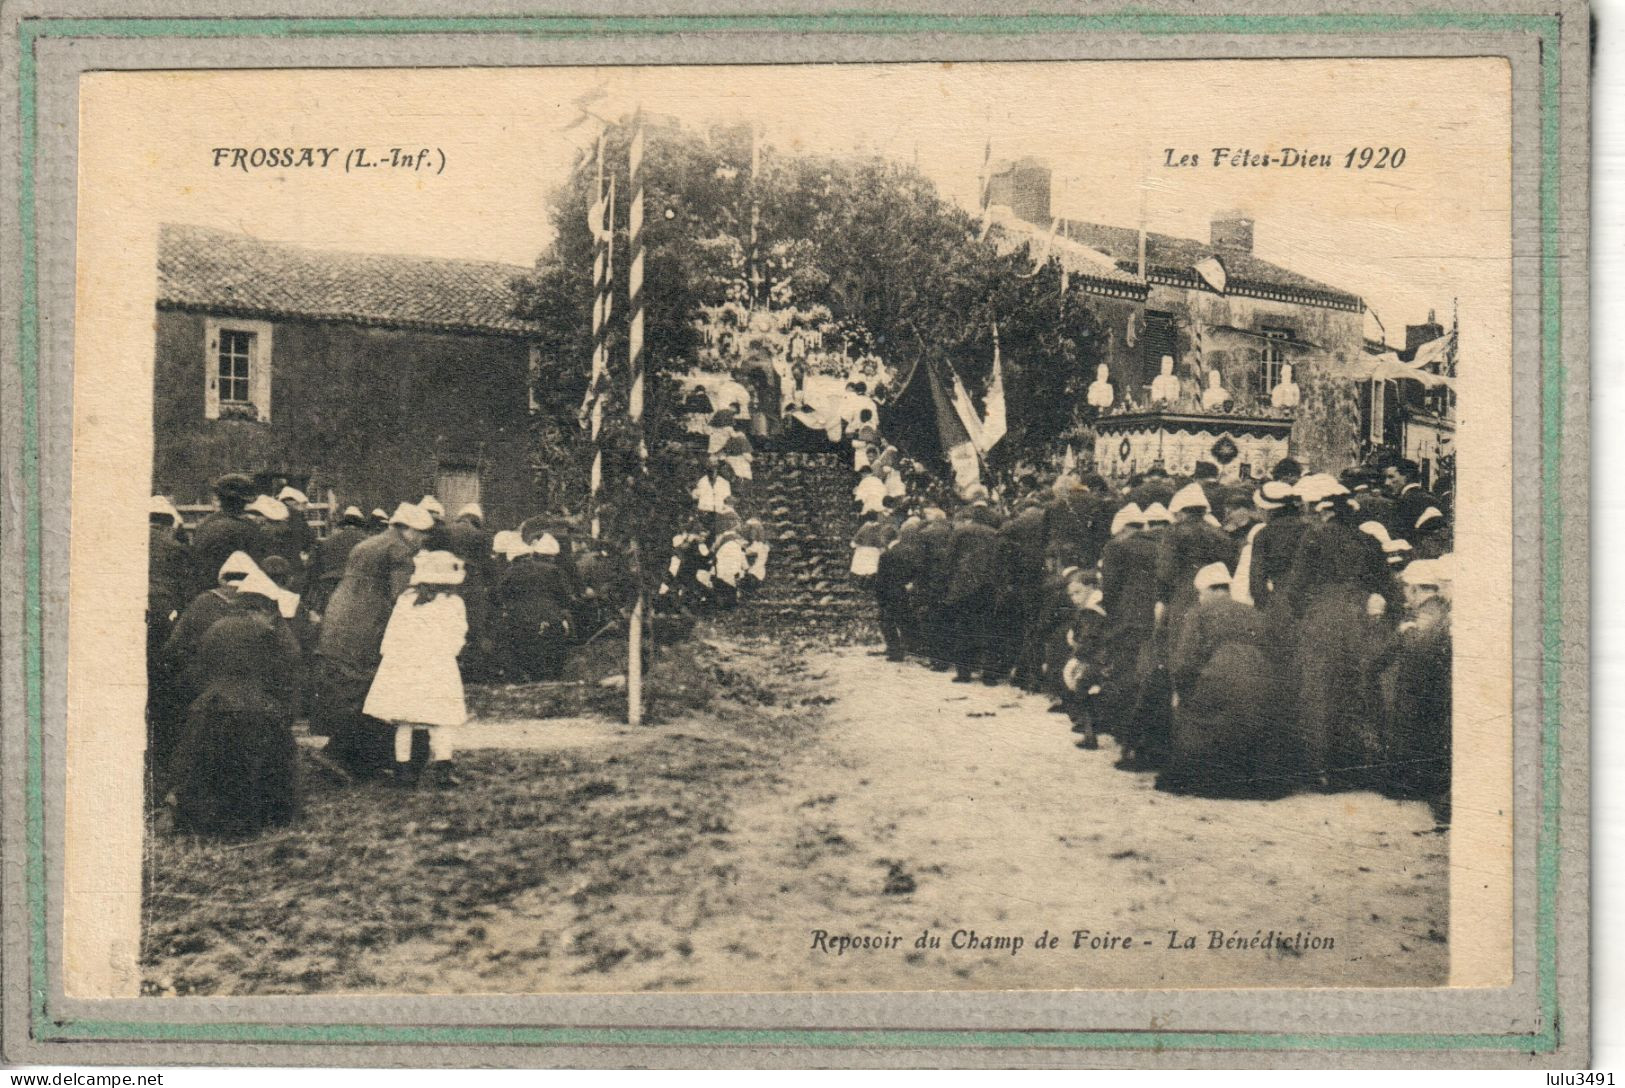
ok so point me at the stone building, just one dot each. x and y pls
(1206, 304)
(359, 378)
(1413, 418)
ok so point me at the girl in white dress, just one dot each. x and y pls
(418, 684)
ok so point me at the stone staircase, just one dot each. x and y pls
(805, 503)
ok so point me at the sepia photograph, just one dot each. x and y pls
(673, 529)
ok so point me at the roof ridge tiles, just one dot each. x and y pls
(206, 268)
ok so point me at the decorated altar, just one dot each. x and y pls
(1242, 446)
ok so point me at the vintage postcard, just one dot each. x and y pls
(1030, 542)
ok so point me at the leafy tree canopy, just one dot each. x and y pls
(870, 239)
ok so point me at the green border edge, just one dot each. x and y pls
(44, 1027)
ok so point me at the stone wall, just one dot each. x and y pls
(371, 413)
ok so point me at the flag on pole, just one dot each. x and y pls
(1212, 272)
(1434, 351)
(955, 436)
(994, 425)
(965, 408)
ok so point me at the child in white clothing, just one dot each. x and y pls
(418, 684)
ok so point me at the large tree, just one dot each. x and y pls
(870, 239)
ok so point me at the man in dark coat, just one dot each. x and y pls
(1022, 544)
(1334, 576)
(1128, 584)
(347, 653)
(1403, 480)
(1206, 476)
(169, 580)
(169, 572)
(331, 554)
(930, 586)
(1276, 544)
(971, 598)
(900, 564)
(1069, 523)
(606, 582)
(468, 539)
(228, 529)
(234, 769)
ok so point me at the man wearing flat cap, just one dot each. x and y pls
(228, 529)
(377, 571)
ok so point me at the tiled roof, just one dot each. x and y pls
(1007, 232)
(1166, 255)
(204, 269)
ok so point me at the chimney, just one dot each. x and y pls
(1023, 187)
(1233, 230)
(1417, 335)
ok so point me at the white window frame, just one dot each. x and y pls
(259, 365)
(1379, 411)
(1271, 359)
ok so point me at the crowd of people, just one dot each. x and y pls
(1240, 639)
(1235, 638)
(253, 622)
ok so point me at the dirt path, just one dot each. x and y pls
(818, 790)
(955, 808)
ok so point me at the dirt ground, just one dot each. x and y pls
(796, 791)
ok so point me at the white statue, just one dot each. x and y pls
(1215, 397)
(1101, 394)
(1286, 393)
(1165, 387)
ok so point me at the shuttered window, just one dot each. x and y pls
(1157, 341)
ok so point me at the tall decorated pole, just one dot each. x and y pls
(592, 410)
(634, 411)
(754, 273)
(604, 310)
